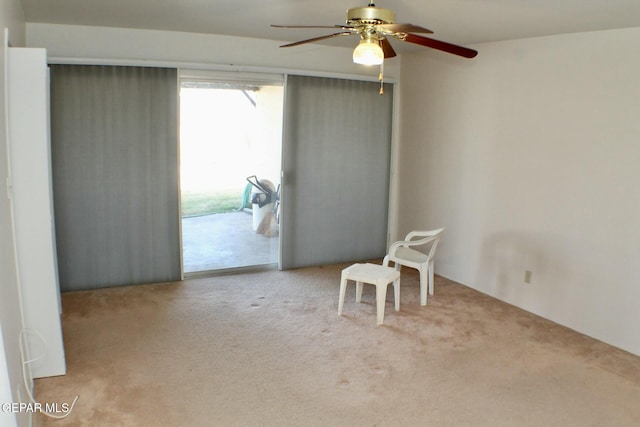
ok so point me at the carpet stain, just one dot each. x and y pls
(344, 383)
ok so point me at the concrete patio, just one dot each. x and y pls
(223, 241)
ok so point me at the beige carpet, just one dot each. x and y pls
(268, 349)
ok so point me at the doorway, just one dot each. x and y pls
(230, 167)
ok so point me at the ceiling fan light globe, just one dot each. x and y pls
(368, 52)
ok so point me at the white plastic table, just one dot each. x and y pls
(374, 274)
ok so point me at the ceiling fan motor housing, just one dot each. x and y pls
(370, 15)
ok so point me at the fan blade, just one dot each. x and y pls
(440, 45)
(314, 26)
(404, 28)
(387, 49)
(315, 39)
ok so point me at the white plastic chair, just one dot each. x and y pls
(403, 253)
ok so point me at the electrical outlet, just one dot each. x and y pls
(527, 276)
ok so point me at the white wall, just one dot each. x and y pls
(11, 17)
(218, 52)
(529, 156)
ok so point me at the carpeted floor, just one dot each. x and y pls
(268, 349)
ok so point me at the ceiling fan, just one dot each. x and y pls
(374, 25)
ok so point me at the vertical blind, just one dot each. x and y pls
(336, 163)
(115, 175)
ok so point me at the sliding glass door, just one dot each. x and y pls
(230, 154)
(128, 191)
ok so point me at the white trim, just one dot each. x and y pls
(5, 392)
(9, 181)
(178, 163)
(283, 176)
(6, 395)
(394, 168)
(195, 67)
(270, 79)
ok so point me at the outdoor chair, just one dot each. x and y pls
(405, 252)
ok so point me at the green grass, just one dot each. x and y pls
(207, 202)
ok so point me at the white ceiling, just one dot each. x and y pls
(461, 22)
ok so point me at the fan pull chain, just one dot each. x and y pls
(381, 78)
